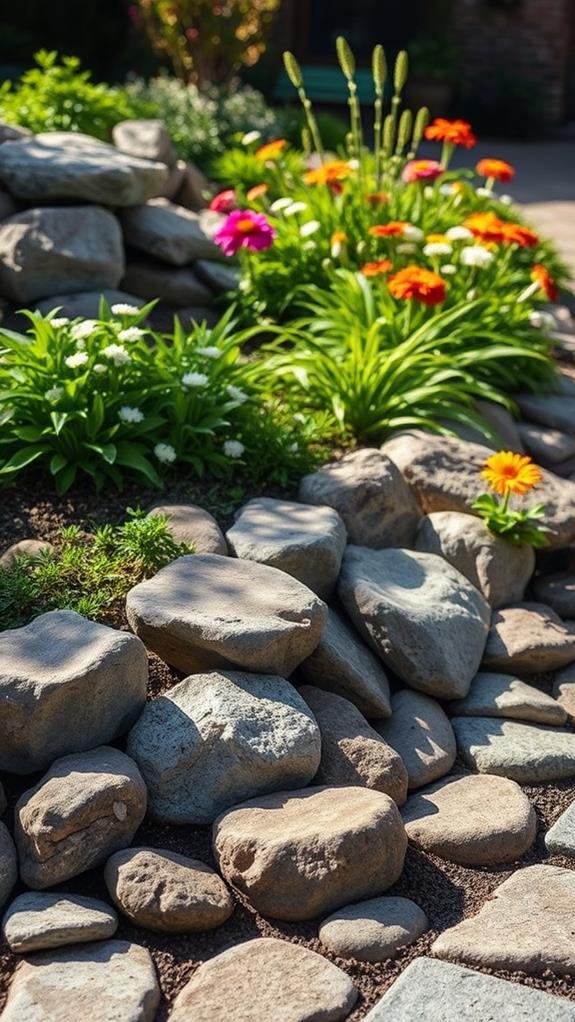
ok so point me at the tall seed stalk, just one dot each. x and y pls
(294, 74)
(379, 72)
(347, 64)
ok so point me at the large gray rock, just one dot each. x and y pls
(86, 304)
(86, 807)
(8, 864)
(13, 132)
(547, 446)
(341, 663)
(146, 139)
(373, 930)
(111, 981)
(502, 695)
(528, 638)
(564, 691)
(3, 802)
(217, 739)
(560, 838)
(300, 854)
(554, 410)
(190, 524)
(68, 165)
(66, 685)
(266, 979)
(194, 189)
(179, 286)
(558, 592)
(8, 205)
(444, 475)
(449, 993)
(370, 495)
(352, 752)
(525, 926)
(306, 542)
(205, 611)
(53, 250)
(426, 621)
(218, 276)
(527, 753)
(36, 921)
(167, 892)
(168, 232)
(496, 567)
(420, 732)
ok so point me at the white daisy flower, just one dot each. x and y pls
(54, 393)
(407, 248)
(99, 367)
(485, 193)
(310, 227)
(507, 200)
(233, 449)
(59, 322)
(123, 309)
(75, 361)
(448, 269)
(250, 137)
(84, 329)
(127, 414)
(541, 320)
(295, 207)
(194, 379)
(308, 246)
(476, 255)
(236, 394)
(458, 233)
(428, 192)
(165, 453)
(447, 189)
(131, 333)
(298, 417)
(117, 354)
(209, 352)
(412, 233)
(437, 248)
(279, 204)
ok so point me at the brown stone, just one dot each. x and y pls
(190, 524)
(528, 638)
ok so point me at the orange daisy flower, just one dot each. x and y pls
(499, 170)
(485, 226)
(377, 198)
(507, 472)
(541, 274)
(417, 284)
(394, 229)
(376, 268)
(456, 132)
(328, 173)
(256, 192)
(271, 150)
(516, 234)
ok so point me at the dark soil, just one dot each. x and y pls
(445, 891)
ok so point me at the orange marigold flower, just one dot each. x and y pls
(417, 284)
(516, 234)
(339, 237)
(272, 150)
(499, 170)
(328, 173)
(376, 268)
(507, 472)
(541, 274)
(256, 192)
(394, 229)
(485, 226)
(456, 132)
(377, 198)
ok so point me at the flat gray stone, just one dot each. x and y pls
(554, 410)
(547, 446)
(442, 992)
(13, 132)
(205, 612)
(528, 638)
(560, 838)
(558, 592)
(370, 495)
(266, 979)
(503, 695)
(3, 802)
(217, 275)
(190, 524)
(525, 926)
(178, 285)
(145, 138)
(8, 205)
(8, 864)
(217, 739)
(66, 685)
(343, 664)
(305, 541)
(111, 981)
(35, 922)
(527, 753)
(564, 690)
(422, 735)
(168, 232)
(374, 930)
(425, 620)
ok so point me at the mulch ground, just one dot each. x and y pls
(446, 892)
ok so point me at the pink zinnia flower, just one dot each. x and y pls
(223, 202)
(422, 170)
(244, 229)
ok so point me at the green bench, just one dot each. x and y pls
(326, 85)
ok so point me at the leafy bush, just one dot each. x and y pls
(87, 572)
(57, 95)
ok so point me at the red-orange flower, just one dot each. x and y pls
(394, 229)
(417, 284)
(516, 234)
(377, 198)
(456, 132)
(485, 226)
(256, 192)
(541, 274)
(499, 170)
(422, 170)
(376, 268)
(328, 173)
(271, 150)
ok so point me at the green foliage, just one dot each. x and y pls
(89, 572)
(517, 527)
(57, 95)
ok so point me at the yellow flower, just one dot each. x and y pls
(507, 472)
(272, 150)
(437, 239)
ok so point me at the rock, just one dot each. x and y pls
(178, 286)
(13, 132)
(528, 638)
(502, 695)
(146, 139)
(205, 611)
(190, 524)
(218, 276)
(454, 819)
(169, 232)
(564, 691)
(341, 663)
(560, 838)
(425, 620)
(194, 189)
(444, 475)
(554, 410)
(422, 735)
(3, 801)
(68, 165)
(496, 567)
(369, 494)
(451, 993)
(175, 181)
(300, 854)
(525, 926)
(507, 432)
(167, 892)
(55, 249)
(352, 752)
(266, 979)
(217, 739)
(86, 304)
(527, 753)
(7, 205)
(558, 592)
(8, 864)
(66, 685)
(374, 930)
(86, 807)
(35, 921)
(305, 542)
(24, 548)
(546, 446)
(108, 981)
